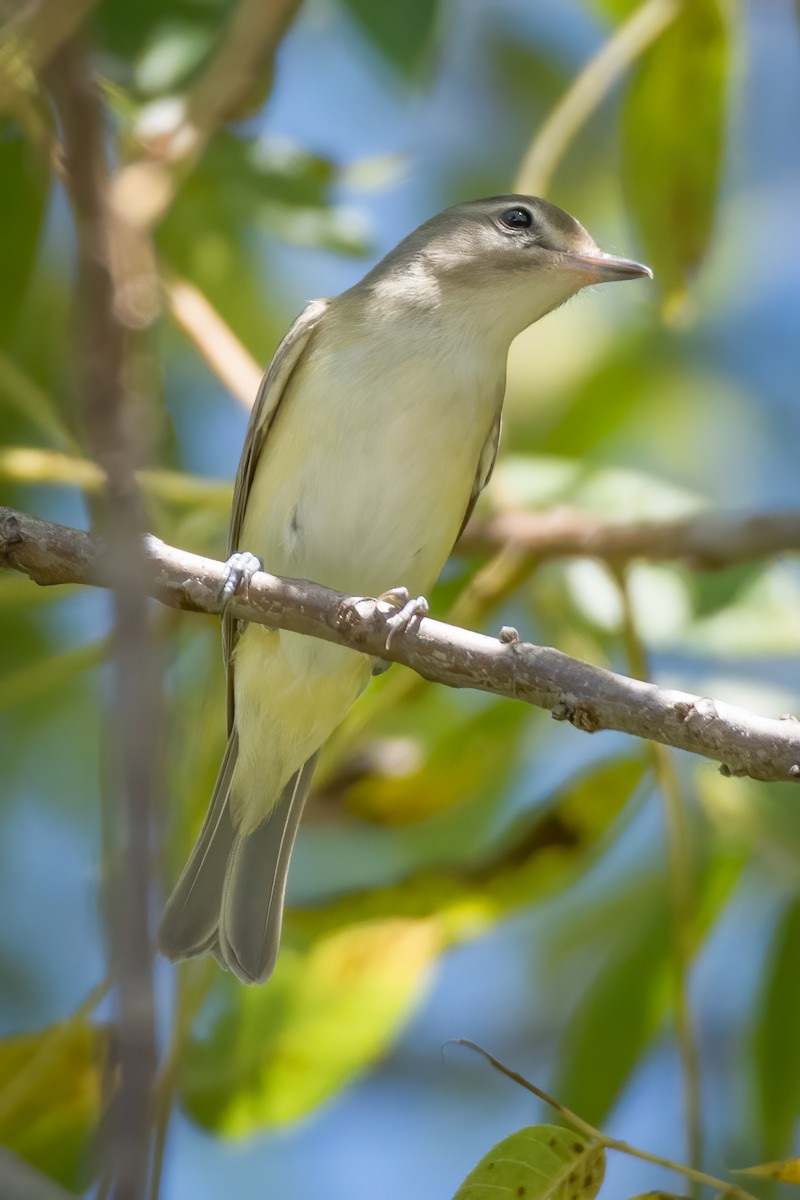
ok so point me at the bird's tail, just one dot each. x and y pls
(229, 899)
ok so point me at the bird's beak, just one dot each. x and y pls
(606, 268)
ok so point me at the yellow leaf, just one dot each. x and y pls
(50, 1097)
(276, 1053)
(784, 1170)
(542, 1162)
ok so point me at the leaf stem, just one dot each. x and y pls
(678, 847)
(188, 1002)
(587, 91)
(589, 1131)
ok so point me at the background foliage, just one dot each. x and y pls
(467, 867)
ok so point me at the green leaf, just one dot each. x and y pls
(274, 1054)
(23, 199)
(617, 8)
(402, 33)
(658, 1195)
(242, 182)
(48, 676)
(20, 1181)
(627, 1003)
(542, 854)
(763, 818)
(242, 188)
(760, 619)
(616, 493)
(630, 995)
(673, 130)
(132, 32)
(473, 757)
(777, 1038)
(542, 1162)
(51, 1098)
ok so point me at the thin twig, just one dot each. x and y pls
(186, 1006)
(29, 464)
(135, 705)
(218, 344)
(590, 697)
(678, 844)
(583, 97)
(596, 1135)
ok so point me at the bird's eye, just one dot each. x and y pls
(517, 218)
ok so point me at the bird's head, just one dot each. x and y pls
(503, 262)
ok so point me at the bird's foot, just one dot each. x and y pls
(410, 609)
(239, 570)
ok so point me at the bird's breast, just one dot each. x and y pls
(368, 466)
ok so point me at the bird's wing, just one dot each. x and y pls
(485, 467)
(270, 394)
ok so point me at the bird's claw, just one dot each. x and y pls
(409, 610)
(239, 570)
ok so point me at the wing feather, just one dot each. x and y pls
(485, 467)
(270, 394)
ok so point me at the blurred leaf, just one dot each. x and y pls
(538, 481)
(133, 33)
(240, 188)
(274, 1054)
(617, 8)
(242, 182)
(33, 403)
(601, 404)
(777, 1037)
(50, 1098)
(23, 200)
(617, 1018)
(764, 818)
(658, 1195)
(673, 130)
(713, 591)
(760, 619)
(531, 75)
(627, 1003)
(542, 1162)
(542, 853)
(46, 678)
(403, 33)
(172, 50)
(17, 591)
(787, 1170)
(20, 1181)
(475, 756)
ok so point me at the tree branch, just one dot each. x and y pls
(708, 540)
(590, 697)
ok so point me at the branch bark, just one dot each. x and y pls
(590, 697)
(705, 541)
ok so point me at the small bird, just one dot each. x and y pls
(373, 433)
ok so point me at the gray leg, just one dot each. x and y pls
(239, 570)
(411, 609)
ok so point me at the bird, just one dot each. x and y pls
(374, 430)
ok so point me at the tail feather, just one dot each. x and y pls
(189, 924)
(255, 885)
(229, 899)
